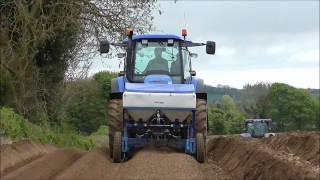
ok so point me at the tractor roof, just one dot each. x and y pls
(155, 36)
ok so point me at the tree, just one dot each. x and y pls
(225, 118)
(317, 112)
(44, 42)
(290, 107)
(85, 105)
(104, 80)
(216, 121)
(254, 100)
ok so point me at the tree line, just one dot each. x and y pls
(289, 107)
(47, 46)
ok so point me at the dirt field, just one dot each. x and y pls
(286, 156)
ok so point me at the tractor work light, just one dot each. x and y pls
(129, 32)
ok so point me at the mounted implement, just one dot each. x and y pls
(157, 98)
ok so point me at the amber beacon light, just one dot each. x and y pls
(184, 32)
(129, 32)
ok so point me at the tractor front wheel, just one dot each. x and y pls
(115, 116)
(117, 148)
(201, 148)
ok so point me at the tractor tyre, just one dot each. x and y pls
(115, 121)
(117, 147)
(201, 117)
(201, 148)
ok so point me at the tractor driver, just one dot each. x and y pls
(157, 63)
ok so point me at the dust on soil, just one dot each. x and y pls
(255, 159)
(305, 146)
(229, 157)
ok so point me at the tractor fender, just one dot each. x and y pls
(200, 92)
(117, 87)
(199, 88)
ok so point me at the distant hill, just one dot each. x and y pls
(215, 93)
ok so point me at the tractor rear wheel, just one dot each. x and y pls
(117, 148)
(201, 123)
(201, 148)
(201, 117)
(115, 115)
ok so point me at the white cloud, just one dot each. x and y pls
(256, 41)
(226, 52)
(303, 77)
(311, 56)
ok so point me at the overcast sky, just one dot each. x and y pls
(269, 41)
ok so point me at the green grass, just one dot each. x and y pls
(15, 127)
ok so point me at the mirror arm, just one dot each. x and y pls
(119, 44)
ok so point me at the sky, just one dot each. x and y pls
(257, 41)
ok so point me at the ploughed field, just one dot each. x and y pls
(285, 156)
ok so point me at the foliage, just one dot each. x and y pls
(104, 79)
(317, 112)
(253, 100)
(85, 105)
(216, 121)
(86, 101)
(14, 126)
(44, 42)
(225, 118)
(291, 108)
(99, 138)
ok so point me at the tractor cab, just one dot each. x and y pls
(158, 54)
(258, 127)
(157, 98)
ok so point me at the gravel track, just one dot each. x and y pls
(230, 157)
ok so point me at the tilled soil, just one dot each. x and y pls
(229, 157)
(255, 159)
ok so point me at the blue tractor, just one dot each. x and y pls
(258, 128)
(157, 98)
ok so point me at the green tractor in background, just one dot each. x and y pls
(258, 128)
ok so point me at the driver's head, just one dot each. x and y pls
(158, 52)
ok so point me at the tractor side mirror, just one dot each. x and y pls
(211, 47)
(104, 46)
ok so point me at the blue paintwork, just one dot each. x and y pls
(160, 88)
(154, 36)
(158, 84)
(121, 83)
(194, 81)
(157, 79)
(188, 145)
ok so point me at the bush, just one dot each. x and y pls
(15, 127)
(85, 106)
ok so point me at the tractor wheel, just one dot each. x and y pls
(115, 121)
(117, 148)
(201, 117)
(201, 148)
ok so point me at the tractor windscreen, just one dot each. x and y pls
(157, 57)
